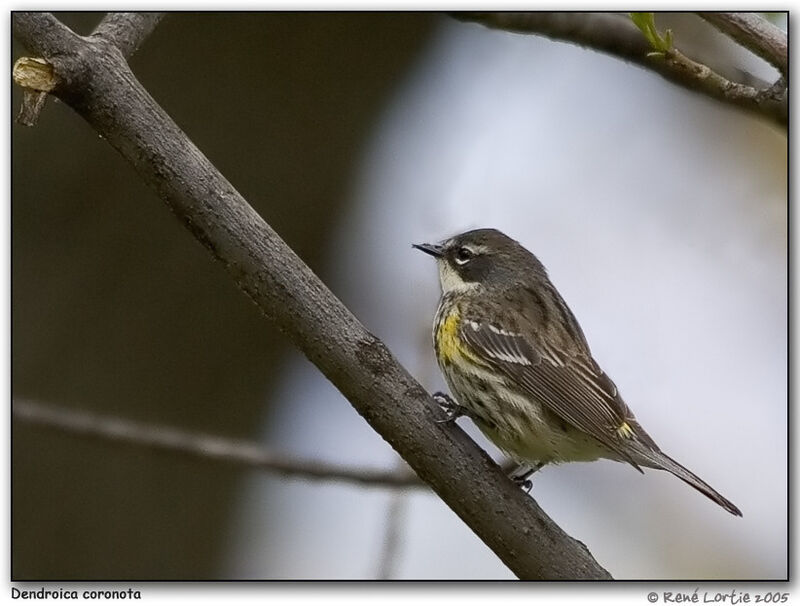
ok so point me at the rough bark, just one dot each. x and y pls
(94, 79)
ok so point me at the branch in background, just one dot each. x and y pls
(756, 34)
(616, 35)
(395, 517)
(204, 446)
(100, 87)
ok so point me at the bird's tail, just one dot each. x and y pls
(658, 460)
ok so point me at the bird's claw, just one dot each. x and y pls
(452, 408)
(525, 485)
(521, 476)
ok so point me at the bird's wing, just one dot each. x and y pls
(570, 385)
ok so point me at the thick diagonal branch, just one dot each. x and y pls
(99, 86)
(616, 35)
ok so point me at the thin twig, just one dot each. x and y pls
(395, 517)
(616, 35)
(239, 453)
(706, 80)
(756, 34)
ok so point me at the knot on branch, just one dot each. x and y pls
(37, 78)
(35, 74)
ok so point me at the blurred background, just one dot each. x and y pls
(660, 214)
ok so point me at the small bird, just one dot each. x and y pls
(518, 364)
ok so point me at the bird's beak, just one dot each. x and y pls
(434, 250)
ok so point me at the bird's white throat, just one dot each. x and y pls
(450, 280)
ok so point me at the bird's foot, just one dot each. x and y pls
(452, 408)
(521, 475)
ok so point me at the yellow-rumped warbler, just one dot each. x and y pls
(518, 364)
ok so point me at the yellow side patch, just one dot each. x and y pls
(447, 341)
(625, 430)
(449, 345)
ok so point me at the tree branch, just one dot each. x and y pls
(756, 34)
(100, 87)
(126, 31)
(236, 452)
(616, 35)
(123, 31)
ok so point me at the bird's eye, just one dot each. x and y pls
(463, 255)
